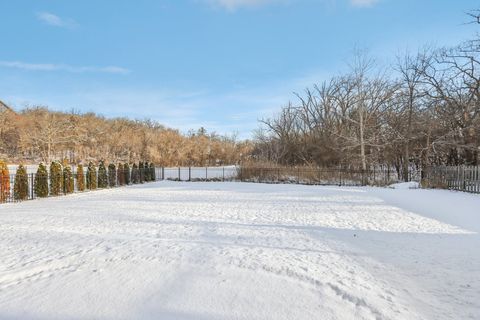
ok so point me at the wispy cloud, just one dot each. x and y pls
(62, 67)
(232, 5)
(363, 3)
(56, 21)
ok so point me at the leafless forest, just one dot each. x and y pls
(423, 110)
(37, 134)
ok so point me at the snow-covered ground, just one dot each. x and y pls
(176, 250)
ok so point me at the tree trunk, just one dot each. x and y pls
(362, 141)
(406, 158)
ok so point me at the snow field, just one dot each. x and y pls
(170, 250)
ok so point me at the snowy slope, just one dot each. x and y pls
(172, 250)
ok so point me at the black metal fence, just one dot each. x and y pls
(200, 173)
(14, 188)
(324, 176)
(458, 178)
(461, 178)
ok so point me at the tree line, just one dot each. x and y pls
(422, 110)
(37, 134)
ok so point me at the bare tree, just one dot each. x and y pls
(411, 70)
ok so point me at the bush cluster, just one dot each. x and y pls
(102, 175)
(56, 178)
(112, 175)
(59, 178)
(68, 180)
(91, 176)
(20, 187)
(80, 178)
(41, 181)
(4, 182)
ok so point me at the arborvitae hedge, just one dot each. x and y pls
(102, 175)
(112, 175)
(91, 176)
(80, 178)
(126, 172)
(135, 174)
(4, 181)
(152, 172)
(56, 178)
(68, 180)
(20, 187)
(41, 181)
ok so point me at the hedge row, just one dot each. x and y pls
(60, 179)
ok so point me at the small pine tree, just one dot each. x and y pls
(102, 175)
(20, 187)
(68, 180)
(141, 171)
(135, 174)
(152, 172)
(126, 172)
(112, 175)
(91, 176)
(80, 178)
(4, 182)
(56, 178)
(120, 175)
(41, 181)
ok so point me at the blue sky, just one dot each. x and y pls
(220, 64)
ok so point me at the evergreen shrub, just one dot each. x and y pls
(20, 187)
(41, 181)
(80, 178)
(91, 176)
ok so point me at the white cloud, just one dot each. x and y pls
(232, 5)
(363, 3)
(54, 20)
(61, 67)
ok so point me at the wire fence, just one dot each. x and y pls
(14, 187)
(325, 176)
(28, 186)
(227, 173)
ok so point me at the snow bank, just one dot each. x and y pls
(171, 250)
(405, 185)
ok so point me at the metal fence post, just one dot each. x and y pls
(32, 179)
